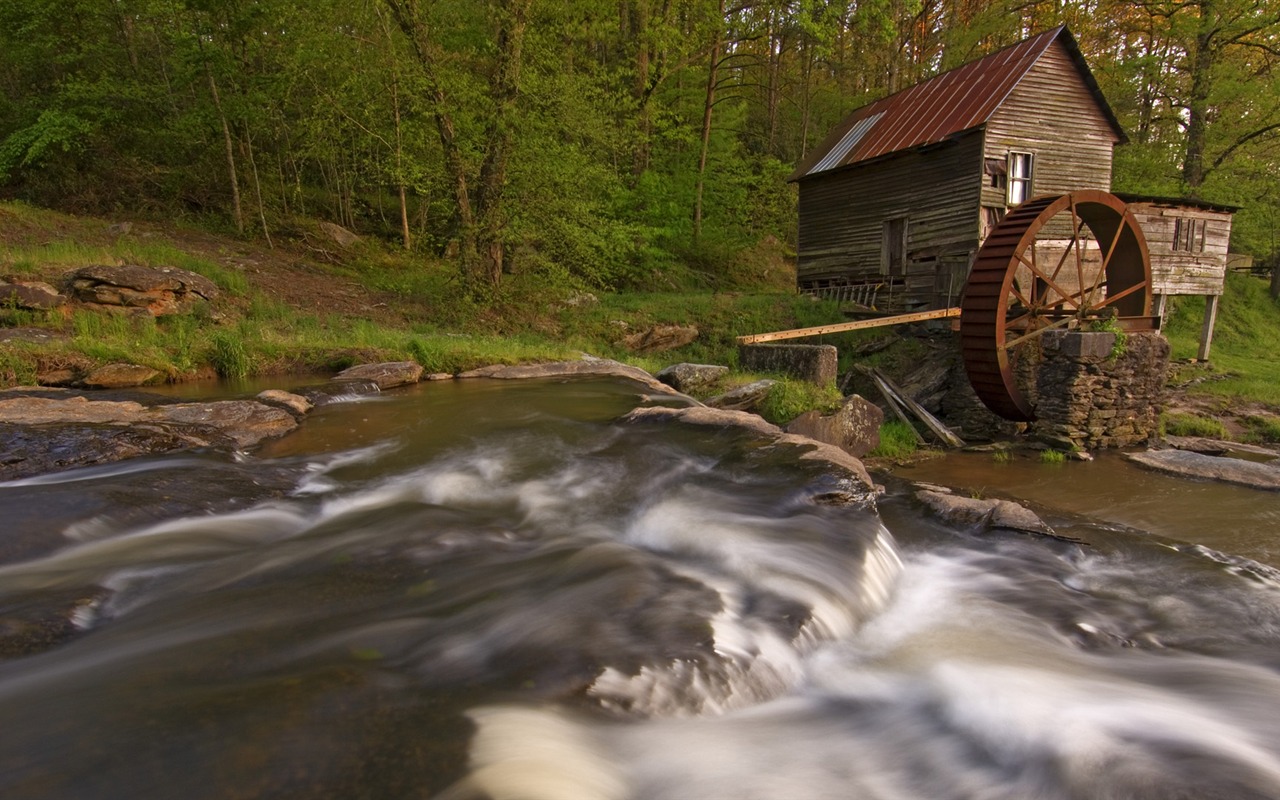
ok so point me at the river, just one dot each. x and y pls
(495, 589)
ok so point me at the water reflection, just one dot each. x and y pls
(1228, 518)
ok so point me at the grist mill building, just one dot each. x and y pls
(899, 197)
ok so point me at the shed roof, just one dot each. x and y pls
(949, 103)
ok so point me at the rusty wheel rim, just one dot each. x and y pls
(1056, 261)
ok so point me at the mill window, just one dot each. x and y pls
(1188, 235)
(893, 256)
(1019, 182)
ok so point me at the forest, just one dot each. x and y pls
(631, 144)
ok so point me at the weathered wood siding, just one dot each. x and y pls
(1200, 271)
(1052, 115)
(842, 217)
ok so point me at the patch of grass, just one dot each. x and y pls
(1052, 457)
(1263, 428)
(18, 364)
(1002, 457)
(1245, 340)
(1192, 425)
(456, 353)
(897, 440)
(229, 356)
(789, 398)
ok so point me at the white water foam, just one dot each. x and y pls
(947, 694)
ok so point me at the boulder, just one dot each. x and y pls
(387, 375)
(691, 377)
(854, 428)
(744, 398)
(119, 376)
(857, 490)
(987, 514)
(339, 234)
(158, 291)
(1253, 474)
(244, 422)
(1218, 447)
(46, 429)
(295, 404)
(660, 338)
(37, 335)
(27, 450)
(30, 296)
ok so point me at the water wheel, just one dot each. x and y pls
(1056, 261)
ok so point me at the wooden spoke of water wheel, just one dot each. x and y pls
(1056, 261)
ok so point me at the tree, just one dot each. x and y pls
(478, 192)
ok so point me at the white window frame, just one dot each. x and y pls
(1021, 174)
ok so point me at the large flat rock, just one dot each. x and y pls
(1185, 463)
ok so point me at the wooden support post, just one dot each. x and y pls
(1206, 331)
(1160, 308)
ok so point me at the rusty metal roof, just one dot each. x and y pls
(954, 101)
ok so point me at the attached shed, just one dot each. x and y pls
(902, 193)
(1188, 242)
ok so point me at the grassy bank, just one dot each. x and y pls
(305, 305)
(1243, 362)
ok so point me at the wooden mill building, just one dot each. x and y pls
(902, 193)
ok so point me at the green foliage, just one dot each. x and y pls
(1002, 457)
(1109, 325)
(789, 398)
(1192, 425)
(897, 441)
(1052, 457)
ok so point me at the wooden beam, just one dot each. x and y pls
(840, 327)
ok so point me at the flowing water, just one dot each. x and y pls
(485, 589)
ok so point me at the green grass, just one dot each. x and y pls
(1052, 457)
(1002, 457)
(789, 398)
(1245, 342)
(897, 440)
(1263, 428)
(1192, 425)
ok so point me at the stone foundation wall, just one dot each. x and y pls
(810, 362)
(1089, 397)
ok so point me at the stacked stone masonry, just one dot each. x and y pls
(1091, 394)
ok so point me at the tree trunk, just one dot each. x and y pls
(231, 151)
(409, 20)
(504, 89)
(1202, 58)
(712, 73)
